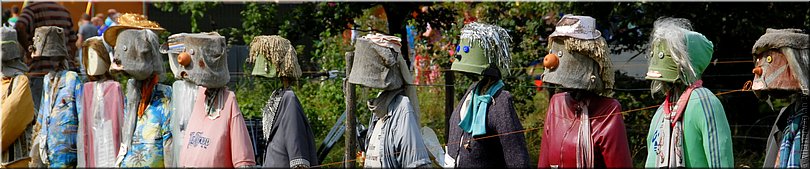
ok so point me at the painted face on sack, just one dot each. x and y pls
(772, 73)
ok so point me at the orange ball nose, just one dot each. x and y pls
(551, 61)
(184, 59)
(757, 71)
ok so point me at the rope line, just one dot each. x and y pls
(746, 87)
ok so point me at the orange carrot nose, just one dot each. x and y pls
(757, 71)
(551, 61)
(184, 59)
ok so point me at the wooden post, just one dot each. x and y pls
(449, 100)
(351, 130)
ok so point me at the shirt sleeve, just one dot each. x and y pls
(715, 132)
(514, 144)
(409, 138)
(614, 145)
(241, 145)
(299, 144)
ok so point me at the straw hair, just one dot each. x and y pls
(279, 52)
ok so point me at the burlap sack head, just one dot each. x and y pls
(137, 53)
(273, 56)
(375, 66)
(49, 41)
(781, 61)
(578, 57)
(200, 58)
(11, 57)
(95, 57)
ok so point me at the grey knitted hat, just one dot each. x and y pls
(375, 66)
(49, 41)
(137, 54)
(11, 64)
(201, 58)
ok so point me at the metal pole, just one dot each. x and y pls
(351, 130)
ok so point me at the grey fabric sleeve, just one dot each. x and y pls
(409, 137)
(299, 143)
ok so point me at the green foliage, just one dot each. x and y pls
(197, 10)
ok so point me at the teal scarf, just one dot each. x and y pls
(475, 120)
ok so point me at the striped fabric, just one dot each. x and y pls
(45, 14)
(707, 136)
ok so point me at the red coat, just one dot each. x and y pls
(607, 133)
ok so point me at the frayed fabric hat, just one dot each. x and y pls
(201, 58)
(579, 27)
(375, 66)
(11, 64)
(273, 56)
(49, 41)
(137, 53)
(781, 61)
(95, 57)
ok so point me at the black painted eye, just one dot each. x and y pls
(559, 54)
(660, 55)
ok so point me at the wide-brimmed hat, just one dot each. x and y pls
(580, 27)
(130, 21)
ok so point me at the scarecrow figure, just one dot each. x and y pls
(584, 127)
(101, 108)
(782, 64)
(57, 122)
(184, 91)
(290, 140)
(484, 128)
(145, 135)
(16, 104)
(690, 128)
(215, 135)
(394, 139)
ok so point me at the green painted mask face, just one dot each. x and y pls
(263, 68)
(662, 67)
(470, 58)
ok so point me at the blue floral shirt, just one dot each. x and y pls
(151, 132)
(58, 119)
